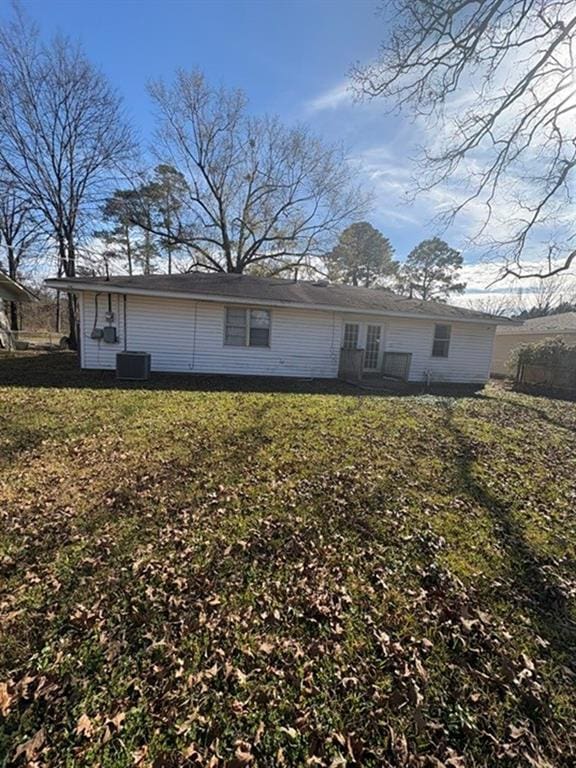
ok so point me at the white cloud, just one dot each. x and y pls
(338, 96)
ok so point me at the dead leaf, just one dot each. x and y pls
(5, 699)
(259, 733)
(31, 747)
(266, 647)
(84, 726)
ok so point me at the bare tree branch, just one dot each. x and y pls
(496, 78)
(256, 192)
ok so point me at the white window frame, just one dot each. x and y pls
(351, 325)
(247, 311)
(443, 340)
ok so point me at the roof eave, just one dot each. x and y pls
(105, 287)
(10, 290)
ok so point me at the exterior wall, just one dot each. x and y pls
(183, 335)
(469, 356)
(506, 343)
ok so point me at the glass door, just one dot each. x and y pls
(372, 352)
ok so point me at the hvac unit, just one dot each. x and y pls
(133, 365)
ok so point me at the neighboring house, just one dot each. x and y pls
(10, 290)
(238, 324)
(510, 337)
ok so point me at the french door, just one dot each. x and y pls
(372, 349)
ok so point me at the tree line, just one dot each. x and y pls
(220, 189)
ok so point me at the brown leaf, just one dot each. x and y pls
(118, 719)
(31, 747)
(84, 726)
(259, 733)
(5, 699)
(266, 647)
(192, 753)
(243, 754)
(139, 755)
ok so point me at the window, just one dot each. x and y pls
(247, 327)
(441, 343)
(259, 328)
(350, 340)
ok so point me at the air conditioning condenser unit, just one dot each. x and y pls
(134, 366)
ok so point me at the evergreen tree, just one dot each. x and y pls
(362, 257)
(431, 271)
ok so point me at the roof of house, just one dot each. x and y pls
(11, 290)
(274, 291)
(549, 325)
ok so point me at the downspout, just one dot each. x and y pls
(193, 363)
(125, 334)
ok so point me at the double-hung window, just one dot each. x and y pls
(441, 345)
(247, 327)
(351, 332)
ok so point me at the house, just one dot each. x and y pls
(239, 324)
(10, 291)
(509, 337)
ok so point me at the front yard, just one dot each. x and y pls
(218, 577)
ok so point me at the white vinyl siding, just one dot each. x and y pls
(470, 350)
(183, 335)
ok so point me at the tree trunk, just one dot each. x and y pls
(13, 274)
(128, 249)
(14, 318)
(58, 313)
(68, 259)
(72, 315)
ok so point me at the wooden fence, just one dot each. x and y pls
(549, 366)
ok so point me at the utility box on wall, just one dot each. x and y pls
(109, 334)
(133, 366)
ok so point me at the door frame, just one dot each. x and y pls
(380, 347)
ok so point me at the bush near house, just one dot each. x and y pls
(249, 578)
(549, 364)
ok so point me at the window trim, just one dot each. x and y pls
(357, 335)
(447, 341)
(247, 308)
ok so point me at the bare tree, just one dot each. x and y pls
(499, 79)
(20, 233)
(254, 191)
(499, 305)
(526, 300)
(61, 134)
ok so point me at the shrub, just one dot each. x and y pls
(551, 352)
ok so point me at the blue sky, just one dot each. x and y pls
(291, 57)
(288, 55)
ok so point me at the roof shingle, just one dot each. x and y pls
(318, 294)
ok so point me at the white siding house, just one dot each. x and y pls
(252, 326)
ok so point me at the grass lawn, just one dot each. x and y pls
(209, 573)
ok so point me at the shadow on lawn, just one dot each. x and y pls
(61, 370)
(533, 583)
(541, 414)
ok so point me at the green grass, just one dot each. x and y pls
(207, 572)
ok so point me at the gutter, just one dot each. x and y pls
(104, 287)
